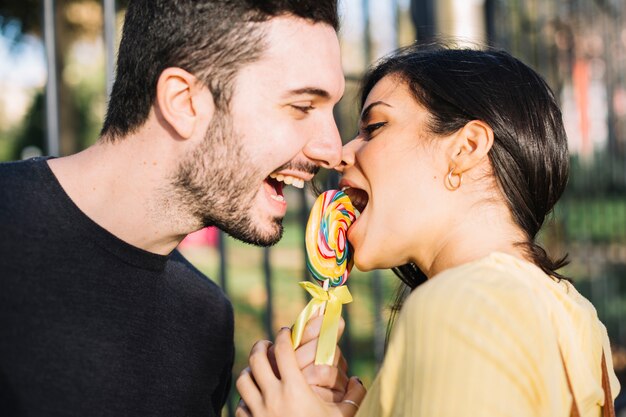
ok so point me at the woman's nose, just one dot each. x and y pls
(348, 154)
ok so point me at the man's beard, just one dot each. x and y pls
(217, 185)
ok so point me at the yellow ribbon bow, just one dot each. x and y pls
(334, 299)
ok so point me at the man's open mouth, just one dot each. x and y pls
(277, 182)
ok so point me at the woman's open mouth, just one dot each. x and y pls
(358, 197)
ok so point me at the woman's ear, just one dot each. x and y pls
(470, 146)
(183, 101)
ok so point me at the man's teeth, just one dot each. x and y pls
(289, 180)
(278, 198)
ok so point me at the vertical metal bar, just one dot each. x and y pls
(424, 19)
(52, 93)
(395, 6)
(303, 218)
(379, 333)
(221, 245)
(109, 42)
(610, 85)
(379, 325)
(367, 41)
(269, 313)
(346, 340)
(490, 28)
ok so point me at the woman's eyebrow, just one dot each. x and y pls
(366, 111)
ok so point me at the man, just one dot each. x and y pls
(215, 106)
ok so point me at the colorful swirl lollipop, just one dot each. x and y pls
(329, 255)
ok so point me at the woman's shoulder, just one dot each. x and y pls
(494, 282)
(497, 274)
(484, 314)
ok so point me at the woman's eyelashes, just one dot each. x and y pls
(303, 109)
(368, 130)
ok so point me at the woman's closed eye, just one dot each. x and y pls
(368, 130)
(303, 109)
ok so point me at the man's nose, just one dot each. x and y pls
(325, 147)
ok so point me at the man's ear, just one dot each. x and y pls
(183, 101)
(470, 146)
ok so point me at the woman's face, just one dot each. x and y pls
(396, 170)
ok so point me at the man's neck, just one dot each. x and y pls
(123, 187)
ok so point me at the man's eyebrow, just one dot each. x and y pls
(366, 111)
(309, 90)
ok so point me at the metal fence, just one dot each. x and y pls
(580, 47)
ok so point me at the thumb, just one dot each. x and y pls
(355, 393)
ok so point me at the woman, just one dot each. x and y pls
(461, 155)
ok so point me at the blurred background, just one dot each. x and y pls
(57, 65)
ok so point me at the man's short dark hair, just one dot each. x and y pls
(211, 39)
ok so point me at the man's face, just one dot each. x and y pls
(280, 129)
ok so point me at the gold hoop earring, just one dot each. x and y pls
(450, 184)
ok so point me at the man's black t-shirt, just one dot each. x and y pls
(93, 326)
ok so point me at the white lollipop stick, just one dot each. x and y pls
(325, 287)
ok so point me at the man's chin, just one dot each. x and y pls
(254, 236)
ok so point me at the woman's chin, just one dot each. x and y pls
(360, 263)
(366, 263)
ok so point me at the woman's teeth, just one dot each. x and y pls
(289, 180)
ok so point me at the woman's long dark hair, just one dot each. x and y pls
(529, 155)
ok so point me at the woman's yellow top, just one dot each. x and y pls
(483, 339)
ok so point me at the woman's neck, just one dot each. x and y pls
(491, 231)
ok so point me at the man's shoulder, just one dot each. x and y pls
(21, 176)
(24, 192)
(198, 301)
(191, 280)
(20, 169)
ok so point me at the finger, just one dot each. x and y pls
(313, 327)
(305, 355)
(272, 358)
(249, 391)
(354, 395)
(342, 327)
(242, 410)
(338, 357)
(328, 395)
(286, 359)
(260, 366)
(343, 363)
(325, 376)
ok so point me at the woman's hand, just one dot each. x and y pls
(328, 382)
(267, 395)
